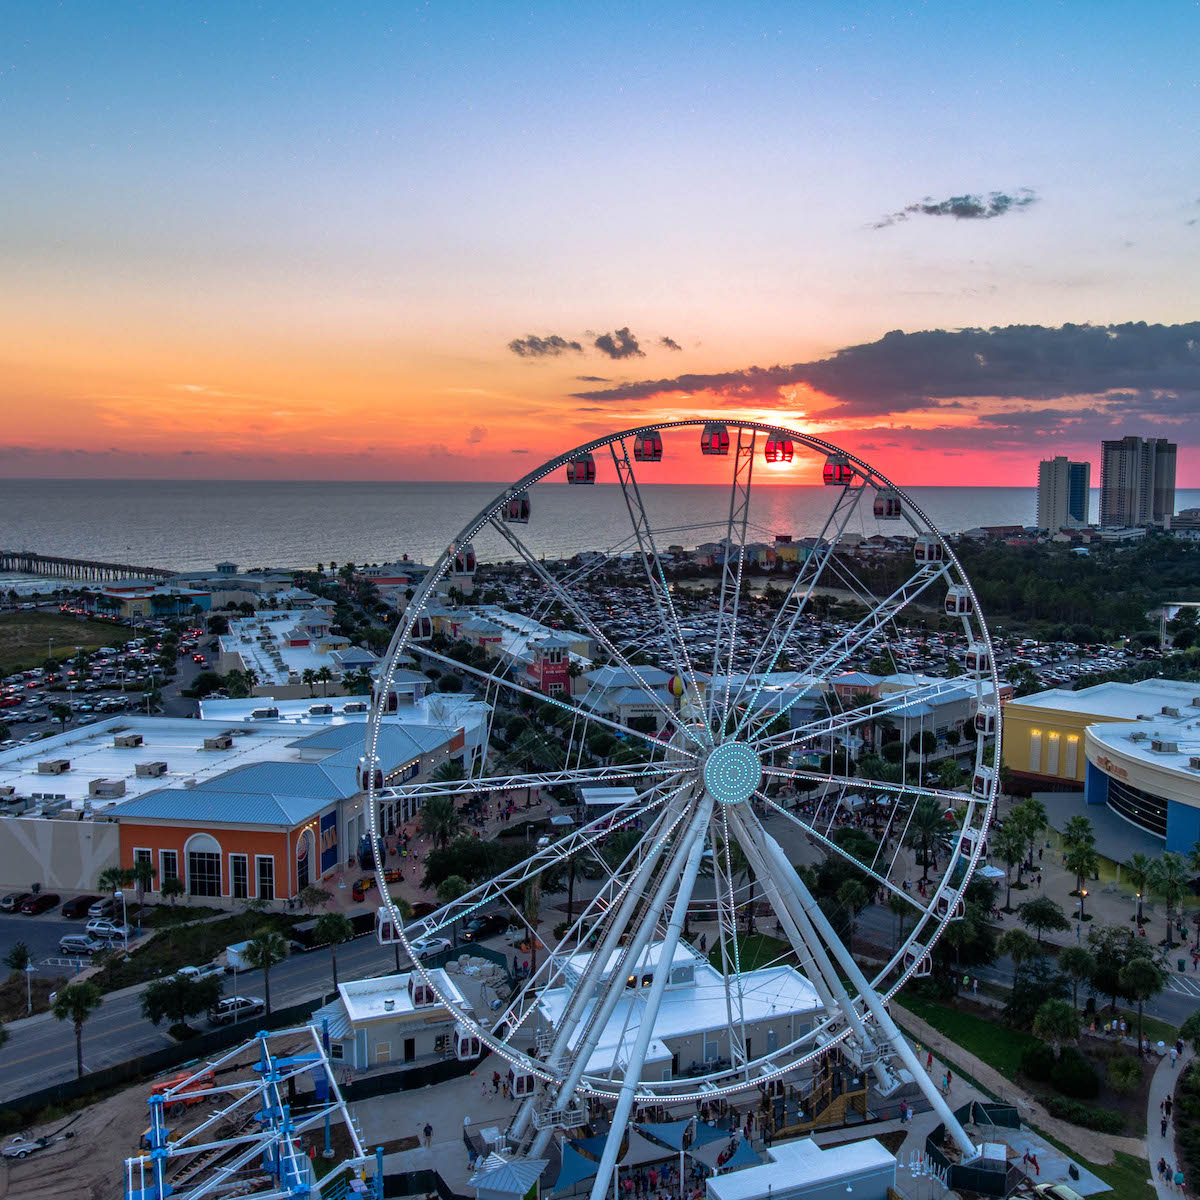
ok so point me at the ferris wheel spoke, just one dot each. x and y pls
(831, 845)
(727, 939)
(546, 859)
(542, 698)
(601, 637)
(861, 783)
(652, 564)
(729, 598)
(853, 639)
(795, 603)
(885, 706)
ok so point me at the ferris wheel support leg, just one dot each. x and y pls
(824, 978)
(883, 1020)
(637, 1057)
(605, 1003)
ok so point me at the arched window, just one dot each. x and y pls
(202, 854)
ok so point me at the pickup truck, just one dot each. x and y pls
(204, 972)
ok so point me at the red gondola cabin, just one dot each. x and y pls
(582, 469)
(838, 472)
(647, 447)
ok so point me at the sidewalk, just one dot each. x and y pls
(1162, 1085)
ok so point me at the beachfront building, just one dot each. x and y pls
(1137, 482)
(394, 1020)
(1063, 493)
(279, 645)
(136, 600)
(691, 1029)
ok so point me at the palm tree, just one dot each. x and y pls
(853, 897)
(142, 877)
(172, 888)
(1079, 831)
(1033, 821)
(308, 677)
(76, 1003)
(60, 713)
(739, 867)
(1078, 963)
(451, 771)
(112, 879)
(440, 820)
(331, 929)
(1082, 860)
(926, 829)
(1169, 876)
(900, 907)
(1018, 945)
(1138, 867)
(1141, 979)
(1009, 844)
(324, 675)
(262, 952)
(531, 910)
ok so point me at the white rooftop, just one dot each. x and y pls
(177, 741)
(439, 709)
(802, 1167)
(367, 999)
(1138, 740)
(603, 795)
(1119, 701)
(519, 632)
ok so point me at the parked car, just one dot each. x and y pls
(81, 943)
(235, 1008)
(429, 946)
(40, 903)
(13, 901)
(484, 926)
(112, 930)
(204, 972)
(79, 905)
(105, 906)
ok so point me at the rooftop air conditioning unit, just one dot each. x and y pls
(127, 741)
(263, 714)
(1170, 710)
(106, 789)
(54, 766)
(222, 741)
(1138, 737)
(1194, 762)
(1161, 747)
(150, 770)
(7, 790)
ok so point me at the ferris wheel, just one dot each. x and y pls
(740, 743)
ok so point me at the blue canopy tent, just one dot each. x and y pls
(669, 1133)
(708, 1133)
(575, 1168)
(744, 1156)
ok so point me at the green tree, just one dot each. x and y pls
(1190, 1029)
(1031, 815)
(1141, 980)
(1112, 947)
(308, 677)
(18, 957)
(853, 897)
(312, 898)
(926, 832)
(324, 678)
(179, 997)
(75, 1003)
(1042, 916)
(440, 820)
(900, 908)
(262, 952)
(1056, 1022)
(1078, 831)
(531, 912)
(449, 890)
(1169, 877)
(112, 879)
(1138, 867)
(142, 877)
(172, 888)
(1018, 945)
(451, 771)
(60, 713)
(1009, 843)
(1081, 860)
(1079, 966)
(331, 930)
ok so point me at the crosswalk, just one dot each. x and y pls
(1185, 985)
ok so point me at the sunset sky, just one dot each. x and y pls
(430, 241)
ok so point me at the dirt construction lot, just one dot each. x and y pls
(90, 1164)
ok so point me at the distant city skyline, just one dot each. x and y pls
(447, 243)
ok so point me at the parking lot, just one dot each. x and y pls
(40, 934)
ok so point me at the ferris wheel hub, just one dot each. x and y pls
(732, 772)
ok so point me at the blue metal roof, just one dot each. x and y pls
(212, 806)
(288, 779)
(397, 743)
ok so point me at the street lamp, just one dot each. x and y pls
(124, 915)
(1139, 910)
(1082, 899)
(29, 970)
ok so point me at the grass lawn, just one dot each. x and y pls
(754, 951)
(24, 637)
(999, 1047)
(1126, 1175)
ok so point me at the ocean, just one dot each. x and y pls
(189, 525)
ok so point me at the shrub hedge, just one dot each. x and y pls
(1103, 1120)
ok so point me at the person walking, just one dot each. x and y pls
(1162, 1127)
(428, 1131)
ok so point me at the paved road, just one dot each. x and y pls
(41, 1050)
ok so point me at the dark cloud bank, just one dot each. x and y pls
(1155, 367)
(964, 208)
